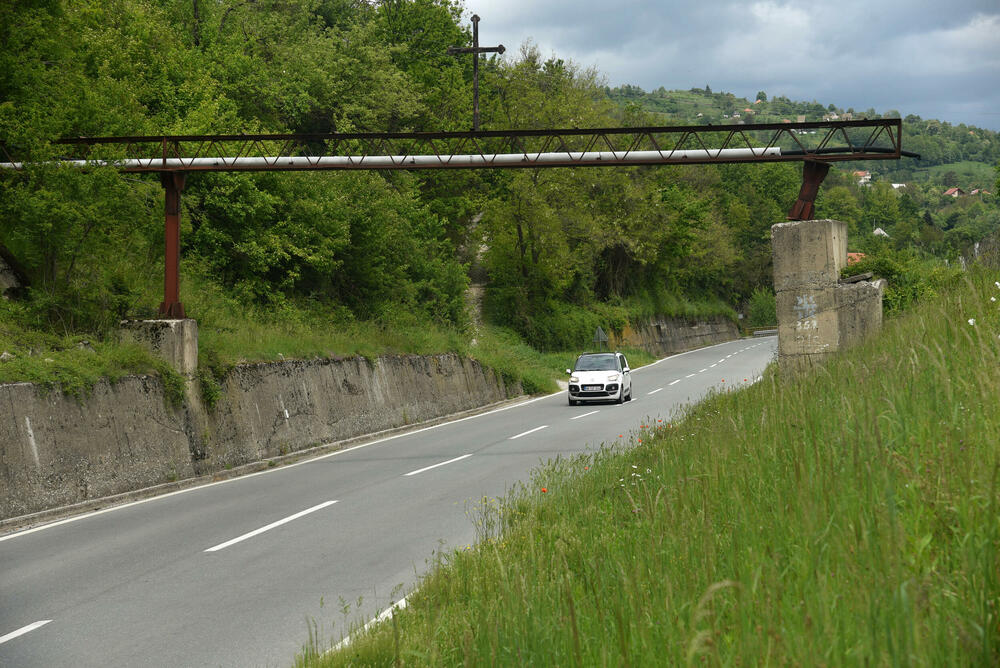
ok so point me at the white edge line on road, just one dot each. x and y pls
(382, 616)
(676, 381)
(24, 629)
(703, 371)
(530, 431)
(110, 509)
(584, 415)
(434, 466)
(272, 525)
(654, 391)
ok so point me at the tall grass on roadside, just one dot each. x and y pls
(845, 517)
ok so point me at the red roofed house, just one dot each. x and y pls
(854, 258)
(954, 192)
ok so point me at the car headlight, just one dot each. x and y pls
(613, 377)
(574, 379)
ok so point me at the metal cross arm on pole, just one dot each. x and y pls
(475, 50)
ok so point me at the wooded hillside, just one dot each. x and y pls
(559, 250)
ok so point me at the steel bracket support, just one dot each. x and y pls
(171, 307)
(813, 173)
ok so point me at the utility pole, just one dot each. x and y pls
(475, 50)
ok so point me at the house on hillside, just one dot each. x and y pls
(898, 186)
(879, 232)
(864, 177)
(980, 191)
(954, 192)
(854, 258)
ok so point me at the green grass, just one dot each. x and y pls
(847, 517)
(232, 333)
(74, 364)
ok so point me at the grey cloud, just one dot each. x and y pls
(918, 57)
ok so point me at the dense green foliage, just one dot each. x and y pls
(560, 251)
(847, 517)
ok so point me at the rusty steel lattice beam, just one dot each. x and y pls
(174, 156)
(783, 142)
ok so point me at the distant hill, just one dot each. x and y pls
(946, 150)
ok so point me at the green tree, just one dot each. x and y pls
(840, 203)
(880, 208)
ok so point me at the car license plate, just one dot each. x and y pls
(592, 388)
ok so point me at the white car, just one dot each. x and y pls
(600, 377)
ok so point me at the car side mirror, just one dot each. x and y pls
(626, 369)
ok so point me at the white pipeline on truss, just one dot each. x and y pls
(549, 159)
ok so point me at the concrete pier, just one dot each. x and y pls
(174, 340)
(817, 314)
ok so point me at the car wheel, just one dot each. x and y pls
(572, 403)
(629, 393)
(621, 396)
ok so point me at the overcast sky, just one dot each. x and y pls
(931, 58)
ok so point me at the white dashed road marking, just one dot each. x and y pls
(530, 431)
(24, 629)
(272, 525)
(434, 466)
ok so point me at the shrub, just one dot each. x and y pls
(762, 309)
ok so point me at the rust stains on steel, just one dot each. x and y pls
(831, 141)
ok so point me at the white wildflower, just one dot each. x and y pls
(972, 321)
(993, 299)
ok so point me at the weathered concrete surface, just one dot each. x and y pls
(174, 340)
(666, 336)
(808, 254)
(817, 315)
(56, 451)
(271, 409)
(859, 308)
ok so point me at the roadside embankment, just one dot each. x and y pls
(124, 436)
(56, 450)
(663, 336)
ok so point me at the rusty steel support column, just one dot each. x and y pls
(813, 174)
(173, 183)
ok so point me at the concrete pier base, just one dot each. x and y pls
(174, 340)
(817, 314)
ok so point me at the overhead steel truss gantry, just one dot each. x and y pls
(816, 145)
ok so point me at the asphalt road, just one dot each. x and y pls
(232, 573)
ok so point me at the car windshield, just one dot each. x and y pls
(596, 363)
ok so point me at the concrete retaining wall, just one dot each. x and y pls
(56, 451)
(667, 336)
